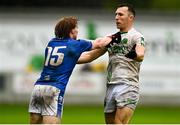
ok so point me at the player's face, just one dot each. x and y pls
(123, 18)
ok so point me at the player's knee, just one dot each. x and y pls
(35, 119)
(51, 120)
(109, 118)
(118, 120)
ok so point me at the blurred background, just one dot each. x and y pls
(27, 26)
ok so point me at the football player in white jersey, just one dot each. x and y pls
(125, 57)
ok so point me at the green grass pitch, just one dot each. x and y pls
(81, 114)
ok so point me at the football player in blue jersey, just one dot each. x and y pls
(61, 55)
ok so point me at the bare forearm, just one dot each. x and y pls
(136, 53)
(89, 56)
(101, 42)
(140, 51)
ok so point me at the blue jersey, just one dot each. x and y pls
(61, 56)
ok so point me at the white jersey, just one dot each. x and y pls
(120, 68)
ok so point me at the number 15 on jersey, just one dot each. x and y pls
(54, 58)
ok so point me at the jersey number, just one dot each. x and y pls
(54, 52)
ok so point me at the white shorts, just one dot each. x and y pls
(46, 100)
(120, 95)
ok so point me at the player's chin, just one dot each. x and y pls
(118, 27)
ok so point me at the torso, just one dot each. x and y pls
(60, 59)
(120, 68)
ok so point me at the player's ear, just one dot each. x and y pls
(131, 17)
(73, 31)
(71, 34)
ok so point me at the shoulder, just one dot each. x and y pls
(135, 32)
(138, 37)
(53, 42)
(78, 40)
(81, 43)
(135, 35)
(84, 40)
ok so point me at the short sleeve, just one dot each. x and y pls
(85, 45)
(139, 39)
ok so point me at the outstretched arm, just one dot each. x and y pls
(89, 56)
(101, 42)
(106, 41)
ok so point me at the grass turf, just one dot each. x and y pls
(76, 114)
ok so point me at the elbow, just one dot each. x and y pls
(140, 57)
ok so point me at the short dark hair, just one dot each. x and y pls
(130, 7)
(64, 26)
